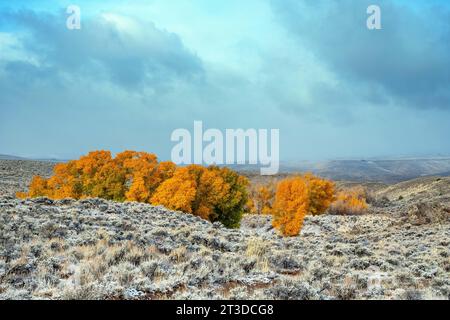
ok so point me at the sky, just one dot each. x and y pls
(138, 70)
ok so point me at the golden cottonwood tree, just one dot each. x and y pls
(216, 194)
(262, 197)
(299, 196)
(38, 187)
(139, 167)
(290, 206)
(350, 202)
(321, 194)
(132, 176)
(193, 189)
(230, 208)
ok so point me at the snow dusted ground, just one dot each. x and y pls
(97, 249)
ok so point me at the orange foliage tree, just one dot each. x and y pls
(321, 194)
(261, 198)
(299, 196)
(230, 208)
(192, 189)
(145, 174)
(216, 194)
(290, 206)
(38, 187)
(350, 202)
(132, 176)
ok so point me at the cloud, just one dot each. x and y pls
(123, 82)
(406, 63)
(109, 85)
(129, 53)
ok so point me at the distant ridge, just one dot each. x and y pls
(9, 157)
(389, 170)
(386, 170)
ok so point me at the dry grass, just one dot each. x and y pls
(259, 249)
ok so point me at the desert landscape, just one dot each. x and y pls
(99, 249)
(224, 151)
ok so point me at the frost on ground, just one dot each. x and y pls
(96, 249)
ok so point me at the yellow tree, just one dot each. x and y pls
(321, 194)
(261, 198)
(140, 168)
(264, 199)
(217, 194)
(164, 171)
(64, 183)
(109, 182)
(192, 189)
(131, 175)
(350, 202)
(176, 193)
(250, 206)
(230, 206)
(86, 172)
(145, 175)
(38, 188)
(290, 206)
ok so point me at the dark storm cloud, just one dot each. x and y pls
(311, 69)
(408, 61)
(64, 92)
(101, 50)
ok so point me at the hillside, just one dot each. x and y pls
(15, 175)
(97, 249)
(377, 170)
(9, 157)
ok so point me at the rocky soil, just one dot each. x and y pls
(96, 249)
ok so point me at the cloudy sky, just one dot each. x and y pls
(137, 70)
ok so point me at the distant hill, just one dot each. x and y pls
(428, 189)
(387, 171)
(9, 157)
(374, 170)
(382, 170)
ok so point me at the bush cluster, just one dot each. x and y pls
(350, 202)
(216, 194)
(213, 193)
(297, 197)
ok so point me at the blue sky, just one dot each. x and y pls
(137, 70)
